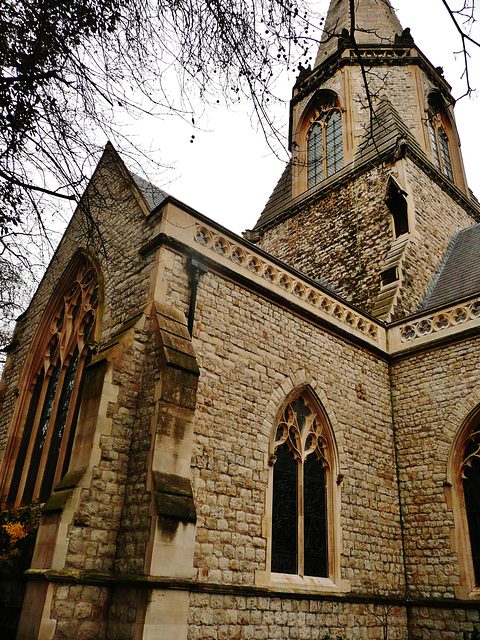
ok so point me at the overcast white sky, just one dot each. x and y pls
(229, 172)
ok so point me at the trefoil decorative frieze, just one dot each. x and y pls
(440, 321)
(285, 281)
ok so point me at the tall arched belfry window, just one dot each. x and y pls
(55, 383)
(324, 143)
(437, 127)
(302, 476)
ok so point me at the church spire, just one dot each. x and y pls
(375, 23)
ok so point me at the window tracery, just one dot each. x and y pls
(55, 386)
(324, 143)
(299, 510)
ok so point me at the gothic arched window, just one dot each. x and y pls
(55, 384)
(324, 144)
(470, 475)
(301, 477)
(438, 137)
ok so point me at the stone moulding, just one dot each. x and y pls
(429, 327)
(290, 285)
(392, 340)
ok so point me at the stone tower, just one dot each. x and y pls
(376, 185)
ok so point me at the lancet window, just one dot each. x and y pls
(55, 389)
(301, 474)
(470, 475)
(439, 138)
(324, 143)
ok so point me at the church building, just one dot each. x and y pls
(274, 436)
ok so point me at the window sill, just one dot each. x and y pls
(467, 593)
(290, 582)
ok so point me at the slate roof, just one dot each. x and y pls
(152, 194)
(459, 274)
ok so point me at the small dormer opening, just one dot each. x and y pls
(398, 207)
(389, 276)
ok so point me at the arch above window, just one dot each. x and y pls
(45, 425)
(304, 497)
(462, 490)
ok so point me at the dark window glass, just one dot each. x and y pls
(59, 427)
(285, 512)
(27, 431)
(315, 155)
(324, 147)
(315, 518)
(445, 153)
(471, 489)
(334, 143)
(397, 205)
(41, 436)
(433, 138)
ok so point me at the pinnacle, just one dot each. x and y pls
(375, 23)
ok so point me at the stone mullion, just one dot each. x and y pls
(48, 436)
(68, 421)
(31, 444)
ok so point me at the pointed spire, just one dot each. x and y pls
(375, 23)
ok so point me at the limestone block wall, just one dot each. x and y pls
(223, 617)
(343, 236)
(433, 394)
(437, 217)
(251, 354)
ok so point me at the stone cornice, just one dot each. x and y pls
(242, 262)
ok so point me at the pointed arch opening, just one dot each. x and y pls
(438, 129)
(44, 427)
(303, 504)
(463, 490)
(398, 206)
(324, 139)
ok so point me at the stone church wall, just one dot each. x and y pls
(342, 236)
(433, 393)
(345, 234)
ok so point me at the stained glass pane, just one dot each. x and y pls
(315, 518)
(445, 153)
(471, 489)
(59, 427)
(315, 155)
(285, 512)
(41, 435)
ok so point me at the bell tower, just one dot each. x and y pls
(375, 186)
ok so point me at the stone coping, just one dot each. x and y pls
(232, 252)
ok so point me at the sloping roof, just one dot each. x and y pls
(152, 194)
(280, 198)
(459, 275)
(375, 23)
(387, 129)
